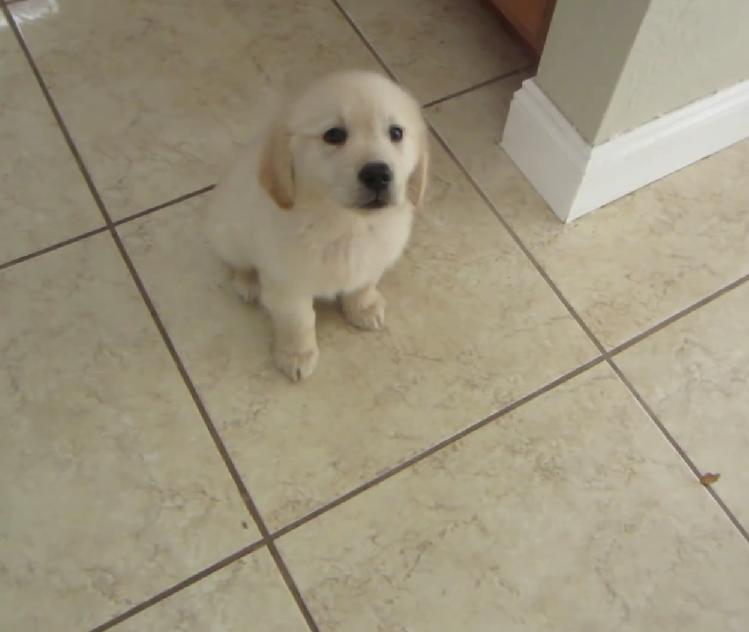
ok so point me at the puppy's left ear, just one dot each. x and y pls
(417, 183)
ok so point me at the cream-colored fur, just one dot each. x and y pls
(291, 218)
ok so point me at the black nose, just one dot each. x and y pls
(376, 176)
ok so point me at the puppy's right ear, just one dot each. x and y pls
(276, 172)
(417, 183)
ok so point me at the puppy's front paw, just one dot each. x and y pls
(366, 314)
(296, 364)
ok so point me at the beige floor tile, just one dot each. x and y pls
(246, 596)
(159, 94)
(471, 327)
(571, 514)
(437, 47)
(695, 375)
(635, 262)
(111, 487)
(43, 197)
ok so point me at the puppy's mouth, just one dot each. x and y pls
(375, 203)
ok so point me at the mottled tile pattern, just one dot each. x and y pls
(570, 514)
(695, 375)
(633, 263)
(111, 487)
(43, 197)
(245, 596)
(470, 327)
(437, 47)
(159, 95)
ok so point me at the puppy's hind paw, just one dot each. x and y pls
(365, 314)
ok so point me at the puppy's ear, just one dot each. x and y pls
(276, 172)
(417, 183)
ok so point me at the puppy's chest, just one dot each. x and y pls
(360, 253)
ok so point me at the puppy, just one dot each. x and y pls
(321, 205)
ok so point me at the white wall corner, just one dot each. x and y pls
(576, 178)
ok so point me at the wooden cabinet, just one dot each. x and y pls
(530, 18)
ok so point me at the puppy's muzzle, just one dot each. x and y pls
(376, 177)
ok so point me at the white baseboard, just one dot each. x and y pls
(575, 178)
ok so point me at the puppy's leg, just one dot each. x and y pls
(246, 284)
(295, 343)
(365, 308)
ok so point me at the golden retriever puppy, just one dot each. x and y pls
(321, 205)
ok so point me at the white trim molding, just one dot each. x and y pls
(576, 178)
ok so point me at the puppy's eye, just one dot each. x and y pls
(396, 133)
(335, 136)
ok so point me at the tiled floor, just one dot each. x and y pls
(518, 450)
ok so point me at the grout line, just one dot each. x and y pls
(481, 84)
(158, 207)
(675, 445)
(215, 436)
(364, 40)
(679, 315)
(518, 242)
(594, 339)
(291, 585)
(185, 583)
(437, 447)
(241, 488)
(53, 247)
(101, 229)
(393, 76)
(607, 354)
(55, 112)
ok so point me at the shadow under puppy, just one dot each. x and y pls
(321, 205)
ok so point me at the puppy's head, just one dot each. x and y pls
(353, 140)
